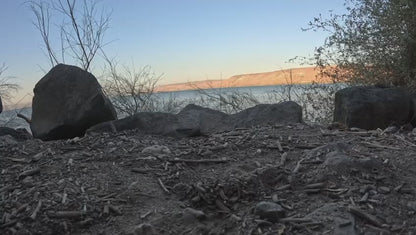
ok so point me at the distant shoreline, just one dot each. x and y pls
(306, 75)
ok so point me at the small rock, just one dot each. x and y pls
(391, 130)
(270, 211)
(190, 215)
(144, 229)
(181, 189)
(384, 189)
(156, 149)
(412, 205)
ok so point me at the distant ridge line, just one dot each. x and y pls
(303, 75)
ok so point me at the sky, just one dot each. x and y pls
(183, 40)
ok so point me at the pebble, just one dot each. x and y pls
(412, 205)
(391, 130)
(384, 189)
(270, 211)
(144, 229)
(190, 214)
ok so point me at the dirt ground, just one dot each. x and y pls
(287, 179)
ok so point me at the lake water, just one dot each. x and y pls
(314, 99)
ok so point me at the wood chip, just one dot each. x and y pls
(363, 215)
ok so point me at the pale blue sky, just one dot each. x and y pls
(186, 40)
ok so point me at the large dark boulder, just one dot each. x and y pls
(67, 101)
(267, 114)
(370, 107)
(194, 120)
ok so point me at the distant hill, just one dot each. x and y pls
(280, 77)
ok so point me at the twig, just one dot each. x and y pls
(163, 186)
(283, 159)
(222, 160)
(69, 214)
(19, 115)
(36, 211)
(279, 146)
(146, 214)
(315, 185)
(404, 140)
(297, 166)
(369, 218)
(295, 220)
(376, 145)
(29, 172)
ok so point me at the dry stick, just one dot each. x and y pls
(298, 166)
(405, 141)
(29, 172)
(369, 218)
(36, 211)
(69, 214)
(376, 145)
(24, 118)
(222, 160)
(283, 159)
(279, 146)
(295, 220)
(315, 185)
(163, 186)
(20, 209)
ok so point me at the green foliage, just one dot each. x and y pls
(374, 42)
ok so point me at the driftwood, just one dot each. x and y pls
(19, 115)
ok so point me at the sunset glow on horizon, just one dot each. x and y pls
(185, 40)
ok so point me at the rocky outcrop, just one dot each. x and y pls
(370, 107)
(267, 114)
(67, 101)
(194, 120)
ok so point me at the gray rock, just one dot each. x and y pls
(270, 211)
(190, 214)
(194, 120)
(144, 229)
(391, 130)
(342, 164)
(370, 107)
(67, 101)
(335, 219)
(149, 123)
(267, 114)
